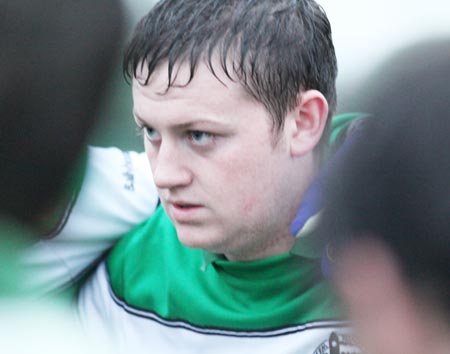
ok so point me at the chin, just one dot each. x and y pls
(197, 237)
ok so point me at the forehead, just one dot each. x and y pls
(206, 93)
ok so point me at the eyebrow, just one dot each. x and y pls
(188, 124)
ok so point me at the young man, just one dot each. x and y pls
(389, 209)
(234, 100)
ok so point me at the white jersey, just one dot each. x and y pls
(117, 194)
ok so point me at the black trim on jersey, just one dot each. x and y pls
(274, 332)
(64, 218)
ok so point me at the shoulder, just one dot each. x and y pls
(148, 255)
(142, 250)
(148, 234)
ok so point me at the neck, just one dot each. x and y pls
(274, 246)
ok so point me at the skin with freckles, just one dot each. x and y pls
(230, 184)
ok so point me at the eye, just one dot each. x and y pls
(200, 138)
(151, 134)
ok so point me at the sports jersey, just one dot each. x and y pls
(154, 294)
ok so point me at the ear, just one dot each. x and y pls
(308, 120)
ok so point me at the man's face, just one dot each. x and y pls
(223, 181)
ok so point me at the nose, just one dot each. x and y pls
(169, 168)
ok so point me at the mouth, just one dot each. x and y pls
(183, 211)
(184, 206)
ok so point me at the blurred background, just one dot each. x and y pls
(364, 31)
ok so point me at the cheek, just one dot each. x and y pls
(243, 179)
(248, 205)
(248, 186)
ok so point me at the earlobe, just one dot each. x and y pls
(309, 120)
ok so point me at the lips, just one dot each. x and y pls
(184, 205)
(182, 211)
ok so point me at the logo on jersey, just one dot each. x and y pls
(338, 344)
(128, 173)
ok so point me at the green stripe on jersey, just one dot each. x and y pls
(151, 270)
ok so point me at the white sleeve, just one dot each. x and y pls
(117, 193)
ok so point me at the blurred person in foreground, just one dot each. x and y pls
(55, 58)
(388, 209)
